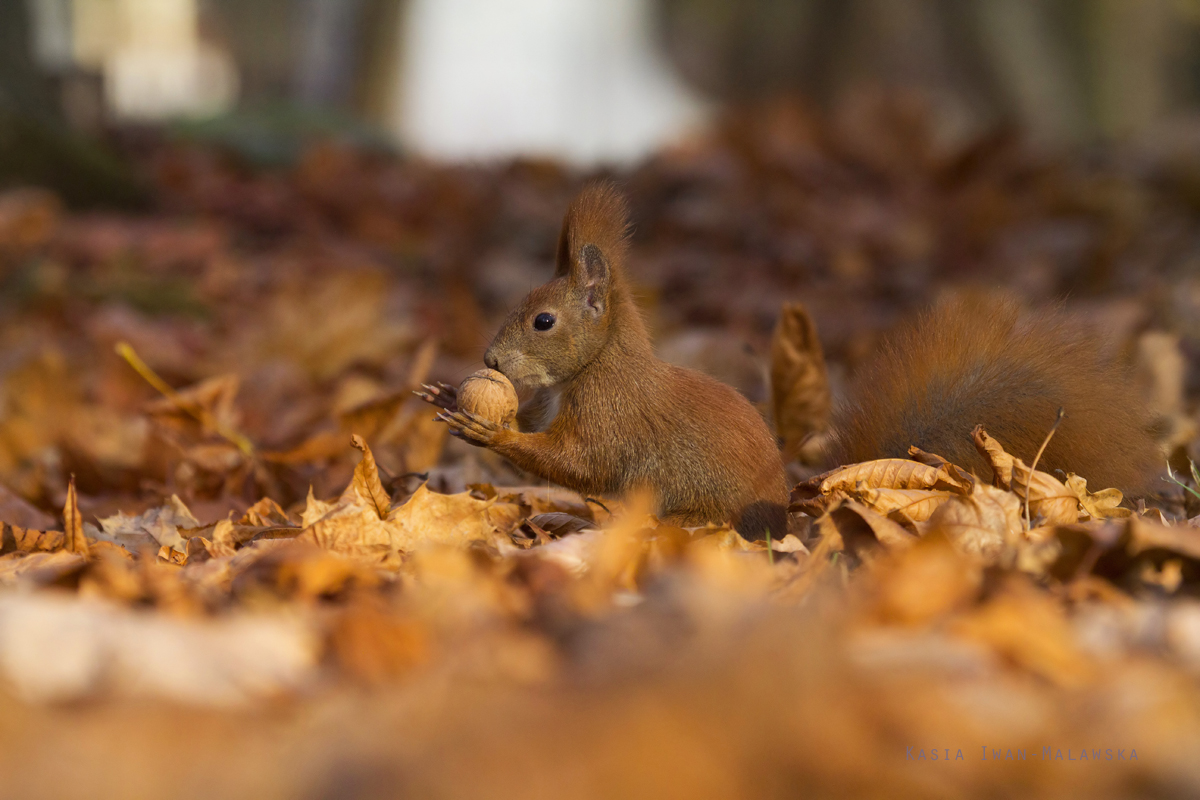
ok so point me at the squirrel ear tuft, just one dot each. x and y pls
(596, 217)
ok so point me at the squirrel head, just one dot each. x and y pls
(561, 326)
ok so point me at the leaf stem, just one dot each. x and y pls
(1033, 467)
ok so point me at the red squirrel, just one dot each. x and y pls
(626, 421)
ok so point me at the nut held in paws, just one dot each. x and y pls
(489, 394)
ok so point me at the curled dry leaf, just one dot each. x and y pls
(799, 380)
(817, 494)
(1050, 501)
(934, 460)
(558, 524)
(861, 528)
(366, 488)
(74, 539)
(902, 505)
(266, 513)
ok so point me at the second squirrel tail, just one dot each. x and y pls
(981, 361)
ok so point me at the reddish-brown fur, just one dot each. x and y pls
(626, 421)
(981, 361)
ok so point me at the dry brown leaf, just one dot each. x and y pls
(39, 567)
(911, 505)
(371, 644)
(934, 460)
(1103, 504)
(548, 500)
(817, 494)
(861, 527)
(299, 571)
(1028, 626)
(918, 584)
(799, 380)
(28, 540)
(366, 487)
(557, 524)
(222, 542)
(1146, 535)
(985, 523)
(213, 398)
(351, 529)
(1168, 578)
(266, 513)
(157, 527)
(1050, 501)
(74, 540)
(428, 518)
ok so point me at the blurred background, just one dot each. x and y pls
(584, 80)
(323, 202)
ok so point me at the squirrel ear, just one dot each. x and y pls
(592, 274)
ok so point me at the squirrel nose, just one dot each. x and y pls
(492, 362)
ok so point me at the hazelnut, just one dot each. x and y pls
(490, 395)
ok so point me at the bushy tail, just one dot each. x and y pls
(981, 361)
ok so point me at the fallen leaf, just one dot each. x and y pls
(1028, 627)
(986, 523)
(1103, 504)
(909, 505)
(1050, 501)
(815, 495)
(799, 381)
(157, 527)
(861, 528)
(366, 487)
(73, 538)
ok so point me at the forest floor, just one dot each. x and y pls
(240, 559)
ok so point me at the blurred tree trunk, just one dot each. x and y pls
(1131, 45)
(36, 146)
(1066, 70)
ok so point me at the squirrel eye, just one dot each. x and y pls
(543, 322)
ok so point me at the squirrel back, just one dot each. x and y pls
(980, 360)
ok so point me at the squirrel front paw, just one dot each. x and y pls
(442, 395)
(472, 428)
